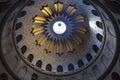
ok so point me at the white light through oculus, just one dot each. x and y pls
(59, 27)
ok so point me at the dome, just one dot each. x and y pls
(59, 40)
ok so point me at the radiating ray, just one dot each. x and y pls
(58, 6)
(48, 35)
(59, 48)
(69, 47)
(46, 10)
(71, 9)
(77, 40)
(49, 47)
(39, 19)
(79, 18)
(82, 30)
(37, 30)
(41, 40)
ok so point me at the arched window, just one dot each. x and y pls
(89, 57)
(49, 67)
(3, 76)
(19, 38)
(24, 49)
(95, 48)
(18, 25)
(59, 68)
(34, 76)
(115, 76)
(30, 57)
(39, 63)
(80, 63)
(70, 67)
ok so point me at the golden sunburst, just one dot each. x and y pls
(59, 42)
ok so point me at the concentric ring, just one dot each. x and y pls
(60, 54)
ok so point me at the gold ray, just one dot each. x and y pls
(61, 7)
(37, 30)
(71, 9)
(77, 40)
(58, 6)
(59, 48)
(49, 47)
(69, 46)
(40, 18)
(42, 40)
(38, 21)
(80, 18)
(46, 48)
(82, 30)
(46, 10)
